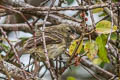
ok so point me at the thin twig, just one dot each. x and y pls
(45, 47)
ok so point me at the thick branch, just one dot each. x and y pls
(20, 27)
(87, 7)
(15, 72)
(97, 69)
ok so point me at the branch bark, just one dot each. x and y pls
(97, 69)
(16, 72)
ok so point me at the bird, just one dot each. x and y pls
(58, 38)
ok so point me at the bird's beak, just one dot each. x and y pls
(74, 36)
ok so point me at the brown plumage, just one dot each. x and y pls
(57, 39)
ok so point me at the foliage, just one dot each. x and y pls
(104, 27)
(114, 0)
(101, 42)
(70, 1)
(91, 48)
(97, 61)
(97, 10)
(50, 46)
(70, 78)
(4, 46)
(74, 45)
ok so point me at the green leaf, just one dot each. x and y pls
(70, 78)
(91, 48)
(4, 46)
(10, 55)
(101, 42)
(114, 36)
(97, 10)
(70, 1)
(23, 39)
(104, 27)
(115, 0)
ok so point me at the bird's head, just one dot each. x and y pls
(65, 30)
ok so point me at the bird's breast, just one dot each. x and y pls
(55, 50)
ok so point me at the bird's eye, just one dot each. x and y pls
(69, 31)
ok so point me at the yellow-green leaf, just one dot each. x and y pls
(97, 10)
(91, 49)
(102, 14)
(97, 61)
(101, 42)
(70, 78)
(104, 27)
(73, 46)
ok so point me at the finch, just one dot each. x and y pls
(58, 38)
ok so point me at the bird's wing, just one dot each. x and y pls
(38, 40)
